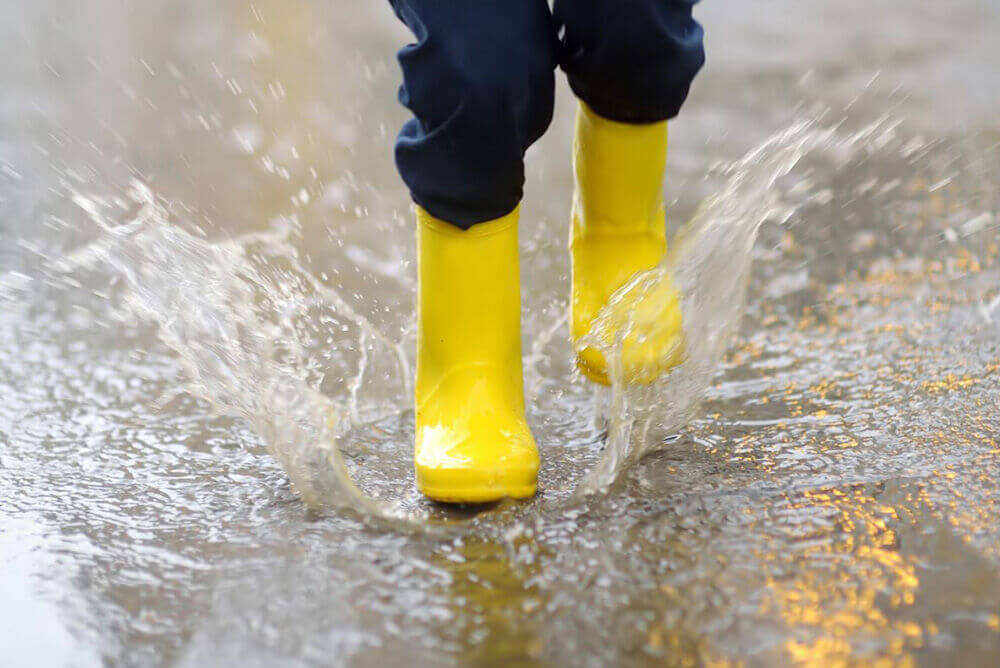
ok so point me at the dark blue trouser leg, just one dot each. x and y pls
(631, 61)
(479, 81)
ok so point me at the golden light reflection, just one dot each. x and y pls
(841, 598)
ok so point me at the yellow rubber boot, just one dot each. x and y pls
(618, 230)
(473, 444)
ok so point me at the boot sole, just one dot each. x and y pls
(477, 495)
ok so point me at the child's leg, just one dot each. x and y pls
(479, 81)
(631, 63)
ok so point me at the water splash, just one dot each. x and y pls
(261, 338)
(709, 264)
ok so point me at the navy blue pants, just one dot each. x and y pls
(480, 82)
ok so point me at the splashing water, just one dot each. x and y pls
(261, 338)
(255, 332)
(709, 263)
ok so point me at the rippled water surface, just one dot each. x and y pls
(206, 336)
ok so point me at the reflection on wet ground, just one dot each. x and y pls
(836, 500)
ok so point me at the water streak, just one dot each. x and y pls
(258, 336)
(709, 263)
(261, 338)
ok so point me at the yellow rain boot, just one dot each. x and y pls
(473, 444)
(618, 230)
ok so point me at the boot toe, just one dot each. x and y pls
(476, 467)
